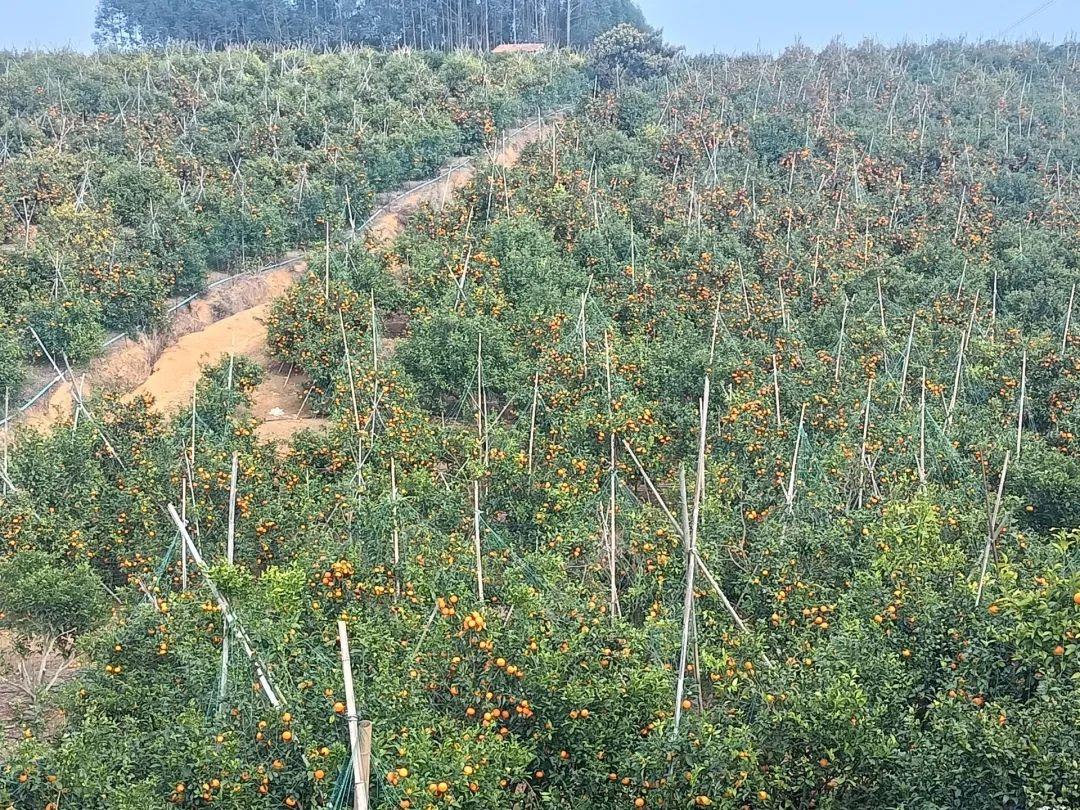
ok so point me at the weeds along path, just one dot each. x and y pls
(231, 319)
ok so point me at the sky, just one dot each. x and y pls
(771, 25)
(699, 25)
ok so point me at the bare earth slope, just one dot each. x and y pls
(232, 320)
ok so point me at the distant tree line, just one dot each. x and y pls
(426, 24)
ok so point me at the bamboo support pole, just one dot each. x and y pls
(776, 392)
(789, 494)
(613, 587)
(906, 364)
(992, 530)
(476, 543)
(326, 269)
(719, 592)
(223, 680)
(1020, 409)
(964, 338)
(352, 389)
(183, 545)
(7, 438)
(922, 429)
(699, 489)
(1068, 320)
(227, 611)
(840, 342)
(480, 415)
(231, 539)
(688, 612)
(360, 786)
(395, 530)
(532, 419)
(77, 396)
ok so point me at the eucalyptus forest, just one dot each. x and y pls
(717, 448)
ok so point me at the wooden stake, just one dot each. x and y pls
(394, 518)
(532, 418)
(7, 435)
(712, 340)
(613, 548)
(360, 787)
(1068, 319)
(789, 495)
(476, 543)
(226, 610)
(866, 421)
(922, 429)
(840, 343)
(232, 507)
(745, 298)
(884, 327)
(613, 592)
(907, 360)
(584, 335)
(684, 509)
(720, 593)
(352, 390)
(194, 391)
(1020, 411)
(223, 680)
(783, 305)
(699, 490)
(776, 392)
(480, 431)
(688, 612)
(374, 343)
(964, 338)
(364, 730)
(183, 546)
(691, 558)
(684, 533)
(992, 530)
(326, 272)
(993, 307)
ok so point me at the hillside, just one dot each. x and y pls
(720, 452)
(128, 179)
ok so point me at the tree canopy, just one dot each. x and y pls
(422, 24)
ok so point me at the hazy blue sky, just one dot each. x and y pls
(771, 25)
(701, 25)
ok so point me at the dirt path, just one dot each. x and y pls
(232, 320)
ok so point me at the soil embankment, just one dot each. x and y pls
(231, 320)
